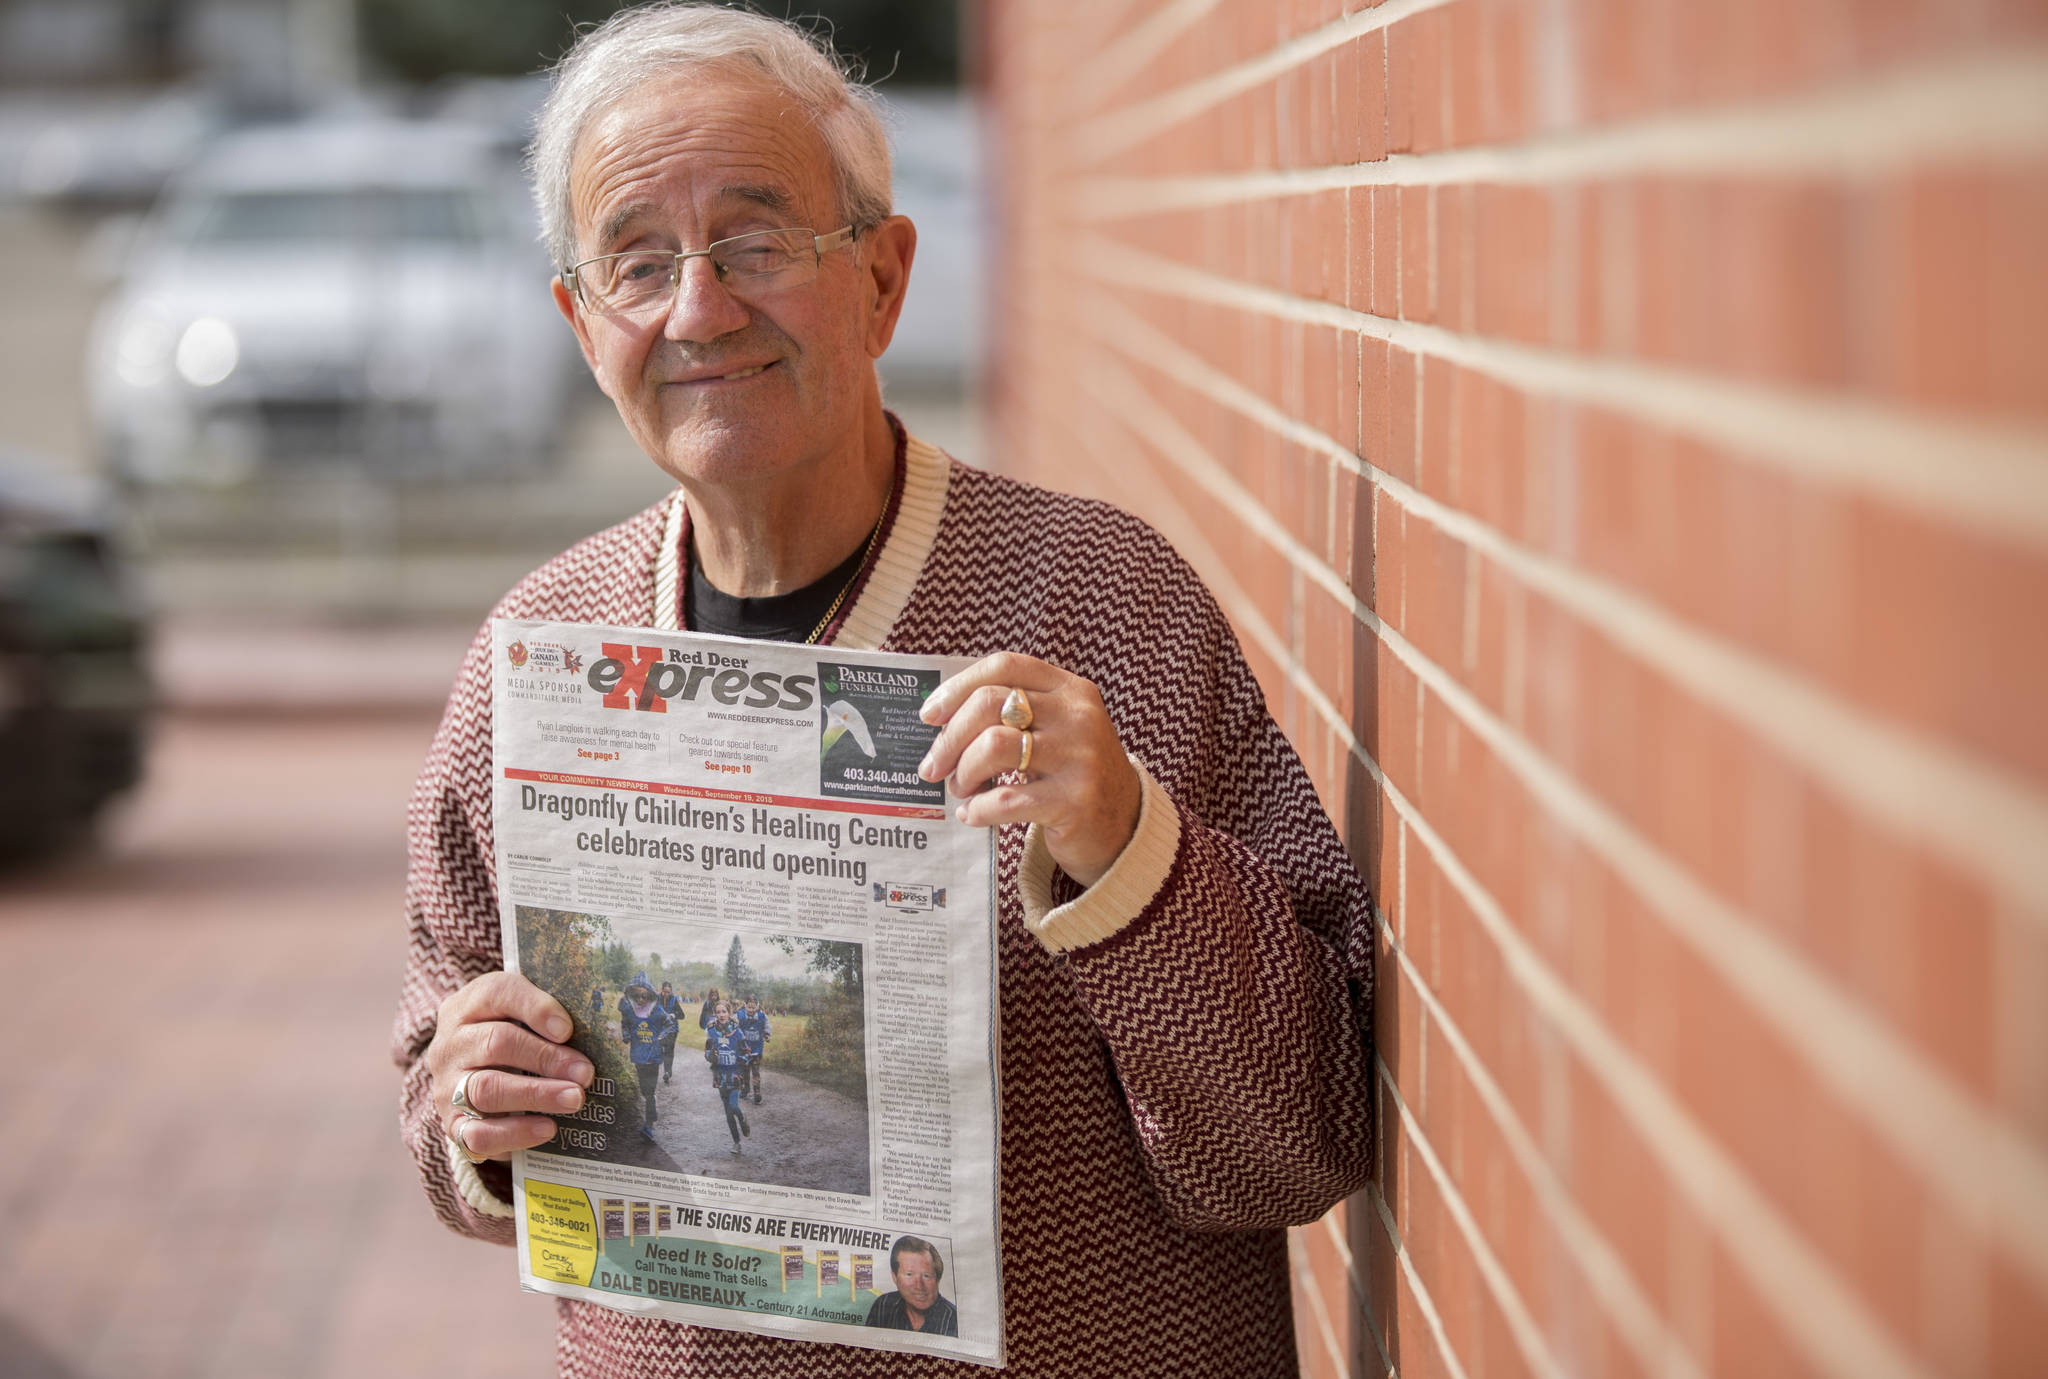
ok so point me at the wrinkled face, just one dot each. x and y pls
(715, 388)
(917, 1278)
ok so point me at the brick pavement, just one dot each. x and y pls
(201, 1173)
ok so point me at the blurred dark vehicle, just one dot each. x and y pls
(365, 293)
(75, 691)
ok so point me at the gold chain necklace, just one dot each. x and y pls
(866, 554)
(669, 563)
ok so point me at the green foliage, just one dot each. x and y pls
(737, 974)
(911, 42)
(421, 40)
(618, 964)
(556, 948)
(828, 1048)
(565, 953)
(839, 961)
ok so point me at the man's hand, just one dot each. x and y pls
(491, 1024)
(1080, 786)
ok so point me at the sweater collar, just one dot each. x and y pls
(884, 587)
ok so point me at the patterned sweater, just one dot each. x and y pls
(1155, 1142)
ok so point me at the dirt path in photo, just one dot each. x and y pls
(804, 1136)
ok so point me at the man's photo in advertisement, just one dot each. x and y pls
(722, 1053)
(917, 1269)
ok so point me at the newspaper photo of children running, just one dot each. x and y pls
(780, 1019)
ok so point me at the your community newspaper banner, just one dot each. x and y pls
(778, 947)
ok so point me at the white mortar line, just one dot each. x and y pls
(1529, 1338)
(1654, 1345)
(1631, 1312)
(1328, 1221)
(1982, 815)
(1297, 1256)
(1388, 1370)
(1994, 1179)
(1990, 477)
(1656, 1348)
(1988, 105)
(1822, 1316)
(1127, 54)
(1111, 133)
(1424, 1304)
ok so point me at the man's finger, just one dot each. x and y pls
(494, 1093)
(499, 1044)
(982, 710)
(1004, 804)
(994, 751)
(499, 1136)
(509, 996)
(1007, 669)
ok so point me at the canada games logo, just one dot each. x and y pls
(550, 658)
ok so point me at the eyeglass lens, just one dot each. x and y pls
(767, 260)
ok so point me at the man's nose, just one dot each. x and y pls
(703, 308)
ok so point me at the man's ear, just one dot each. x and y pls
(565, 302)
(892, 245)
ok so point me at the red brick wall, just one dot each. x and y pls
(1619, 430)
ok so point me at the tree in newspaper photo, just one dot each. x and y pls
(720, 1053)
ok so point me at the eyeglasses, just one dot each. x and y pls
(748, 265)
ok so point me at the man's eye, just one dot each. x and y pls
(757, 258)
(635, 270)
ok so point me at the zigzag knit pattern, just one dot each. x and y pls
(1173, 1096)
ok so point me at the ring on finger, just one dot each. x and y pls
(459, 1098)
(1017, 710)
(1024, 752)
(462, 1145)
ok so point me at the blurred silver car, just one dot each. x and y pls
(360, 292)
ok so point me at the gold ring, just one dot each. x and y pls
(1024, 754)
(1017, 710)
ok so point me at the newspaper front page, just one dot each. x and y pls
(797, 1134)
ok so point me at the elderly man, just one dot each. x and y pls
(717, 196)
(917, 1304)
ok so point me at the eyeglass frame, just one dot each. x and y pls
(841, 237)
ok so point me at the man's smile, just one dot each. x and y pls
(721, 374)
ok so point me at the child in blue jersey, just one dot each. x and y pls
(673, 1004)
(753, 1023)
(725, 1051)
(704, 1014)
(643, 1023)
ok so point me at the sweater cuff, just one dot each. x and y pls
(472, 1187)
(1130, 884)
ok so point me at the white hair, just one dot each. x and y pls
(635, 46)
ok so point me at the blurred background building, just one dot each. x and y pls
(1618, 430)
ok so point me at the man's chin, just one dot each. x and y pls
(711, 445)
(712, 449)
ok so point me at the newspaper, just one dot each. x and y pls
(701, 813)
